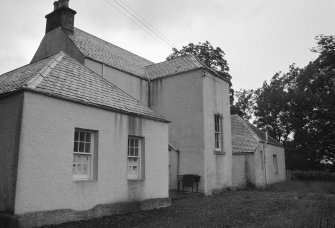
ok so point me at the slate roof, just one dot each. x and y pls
(261, 135)
(16, 79)
(243, 140)
(109, 54)
(175, 66)
(245, 136)
(102, 51)
(62, 77)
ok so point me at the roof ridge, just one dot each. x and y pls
(248, 127)
(8, 72)
(176, 64)
(26, 65)
(35, 81)
(201, 62)
(166, 61)
(198, 61)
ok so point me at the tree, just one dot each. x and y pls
(212, 57)
(244, 103)
(271, 109)
(299, 108)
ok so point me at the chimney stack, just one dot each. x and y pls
(62, 16)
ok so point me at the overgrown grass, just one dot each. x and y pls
(304, 187)
(285, 205)
(317, 204)
(312, 175)
(313, 213)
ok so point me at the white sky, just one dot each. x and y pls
(259, 37)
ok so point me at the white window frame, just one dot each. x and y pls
(218, 136)
(84, 146)
(275, 163)
(135, 152)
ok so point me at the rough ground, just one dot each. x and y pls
(290, 204)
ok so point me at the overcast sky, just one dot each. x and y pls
(259, 37)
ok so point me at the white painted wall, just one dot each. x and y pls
(259, 169)
(190, 100)
(218, 171)
(134, 86)
(271, 176)
(44, 179)
(248, 168)
(179, 99)
(239, 178)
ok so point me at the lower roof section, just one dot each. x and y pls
(62, 77)
(246, 137)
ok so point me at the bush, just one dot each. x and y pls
(312, 175)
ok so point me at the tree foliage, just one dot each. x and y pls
(212, 57)
(244, 103)
(298, 108)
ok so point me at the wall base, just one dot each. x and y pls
(36, 219)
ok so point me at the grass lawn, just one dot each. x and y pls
(290, 204)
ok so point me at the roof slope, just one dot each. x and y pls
(109, 54)
(178, 65)
(13, 80)
(243, 140)
(261, 135)
(174, 66)
(102, 51)
(61, 76)
(245, 136)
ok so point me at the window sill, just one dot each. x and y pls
(83, 180)
(219, 152)
(135, 179)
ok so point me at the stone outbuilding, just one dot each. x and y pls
(258, 159)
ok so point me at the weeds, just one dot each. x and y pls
(312, 175)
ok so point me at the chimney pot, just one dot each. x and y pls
(63, 3)
(55, 5)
